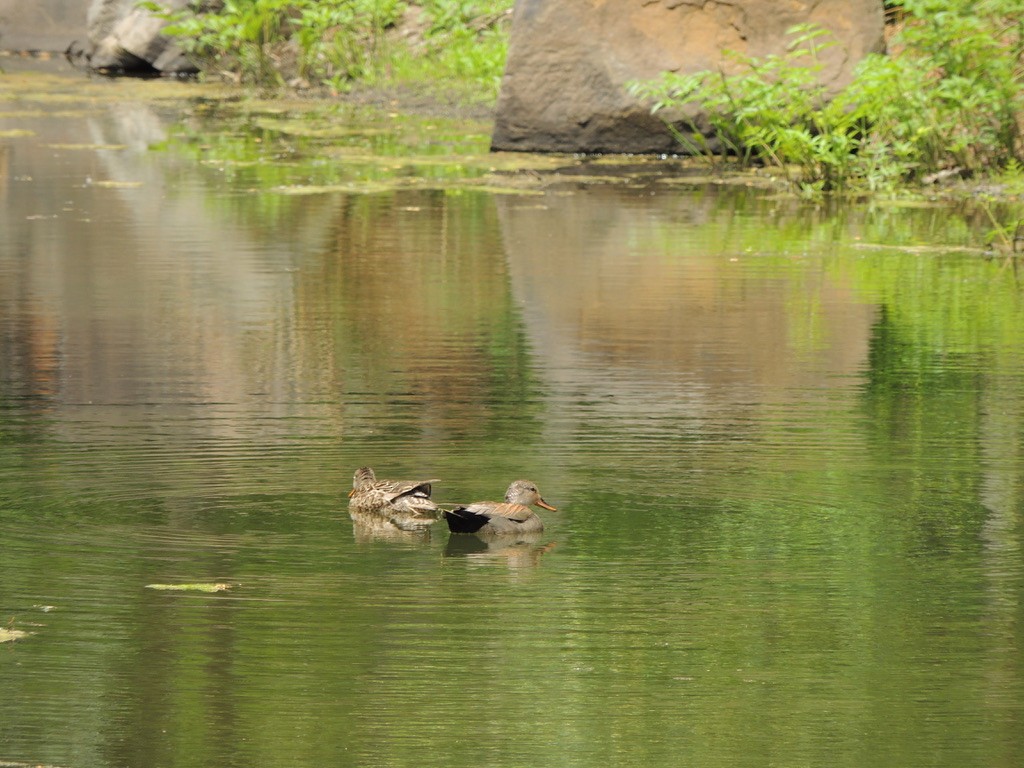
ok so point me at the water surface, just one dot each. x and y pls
(784, 441)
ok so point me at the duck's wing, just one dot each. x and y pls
(494, 518)
(395, 489)
(515, 512)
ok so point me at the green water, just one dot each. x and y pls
(784, 440)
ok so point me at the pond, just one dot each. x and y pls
(784, 440)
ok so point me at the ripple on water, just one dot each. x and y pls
(787, 470)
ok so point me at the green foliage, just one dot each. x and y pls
(338, 42)
(774, 112)
(464, 46)
(950, 97)
(331, 41)
(445, 15)
(469, 54)
(342, 41)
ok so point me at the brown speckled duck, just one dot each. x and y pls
(512, 516)
(405, 503)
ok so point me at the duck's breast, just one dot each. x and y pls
(515, 521)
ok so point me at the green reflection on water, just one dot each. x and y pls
(784, 442)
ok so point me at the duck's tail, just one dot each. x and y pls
(461, 520)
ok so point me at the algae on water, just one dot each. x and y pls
(219, 587)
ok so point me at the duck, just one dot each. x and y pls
(512, 516)
(406, 504)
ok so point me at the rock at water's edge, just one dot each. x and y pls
(124, 37)
(564, 88)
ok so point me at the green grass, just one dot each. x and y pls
(340, 44)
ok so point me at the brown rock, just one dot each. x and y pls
(569, 61)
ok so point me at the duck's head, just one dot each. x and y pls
(362, 480)
(525, 492)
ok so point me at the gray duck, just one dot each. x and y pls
(512, 516)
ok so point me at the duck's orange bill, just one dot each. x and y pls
(351, 492)
(542, 503)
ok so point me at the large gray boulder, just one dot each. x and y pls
(124, 37)
(569, 61)
(106, 35)
(40, 25)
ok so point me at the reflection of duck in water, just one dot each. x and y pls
(515, 551)
(511, 517)
(367, 528)
(405, 504)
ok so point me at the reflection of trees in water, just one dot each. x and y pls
(841, 424)
(944, 420)
(412, 308)
(762, 347)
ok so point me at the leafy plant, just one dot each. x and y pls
(950, 97)
(465, 41)
(775, 112)
(330, 40)
(340, 42)
(344, 41)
